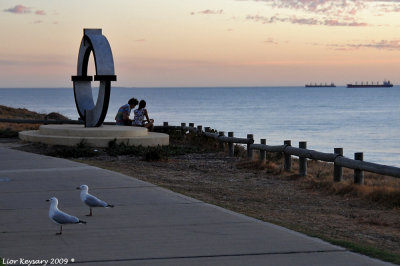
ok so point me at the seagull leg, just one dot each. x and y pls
(60, 231)
(90, 214)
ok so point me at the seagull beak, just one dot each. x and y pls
(47, 200)
(78, 188)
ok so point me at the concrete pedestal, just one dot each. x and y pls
(71, 135)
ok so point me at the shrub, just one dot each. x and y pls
(80, 150)
(153, 155)
(8, 133)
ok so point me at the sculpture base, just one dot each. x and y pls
(72, 135)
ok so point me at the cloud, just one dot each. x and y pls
(329, 7)
(19, 9)
(338, 7)
(390, 45)
(389, 9)
(321, 6)
(270, 41)
(327, 12)
(40, 12)
(334, 22)
(304, 21)
(208, 12)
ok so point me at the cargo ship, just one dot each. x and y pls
(320, 85)
(385, 84)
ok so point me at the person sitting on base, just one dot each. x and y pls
(122, 117)
(140, 114)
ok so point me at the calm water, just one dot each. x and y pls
(358, 120)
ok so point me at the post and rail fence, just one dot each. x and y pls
(337, 158)
(302, 152)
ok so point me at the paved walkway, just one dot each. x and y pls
(148, 226)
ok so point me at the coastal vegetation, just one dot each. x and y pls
(361, 218)
(10, 130)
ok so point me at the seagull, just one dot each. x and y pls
(60, 217)
(91, 200)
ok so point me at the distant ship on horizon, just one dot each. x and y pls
(385, 84)
(320, 85)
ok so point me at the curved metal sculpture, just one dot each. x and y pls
(93, 114)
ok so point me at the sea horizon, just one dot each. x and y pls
(190, 87)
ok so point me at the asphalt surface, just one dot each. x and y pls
(149, 225)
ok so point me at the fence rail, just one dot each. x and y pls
(357, 164)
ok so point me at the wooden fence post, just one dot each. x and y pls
(199, 129)
(183, 130)
(230, 145)
(302, 160)
(221, 143)
(288, 158)
(263, 153)
(165, 124)
(191, 124)
(358, 174)
(207, 129)
(337, 170)
(249, 151)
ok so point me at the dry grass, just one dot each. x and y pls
(19, 113)
(377, 188)
(18, 127)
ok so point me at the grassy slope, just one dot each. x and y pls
(10, 130)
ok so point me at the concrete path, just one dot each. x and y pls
(148, 226)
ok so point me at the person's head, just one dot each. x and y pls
(142, 104)
(133, 102)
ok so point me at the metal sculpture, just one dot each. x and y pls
(93, 114)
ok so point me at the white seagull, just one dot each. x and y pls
(91, 200)
(60, 217)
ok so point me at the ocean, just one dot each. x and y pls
(357, 119)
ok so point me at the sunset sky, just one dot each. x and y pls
(204, 43)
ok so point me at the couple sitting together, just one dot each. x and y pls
(122, 117)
